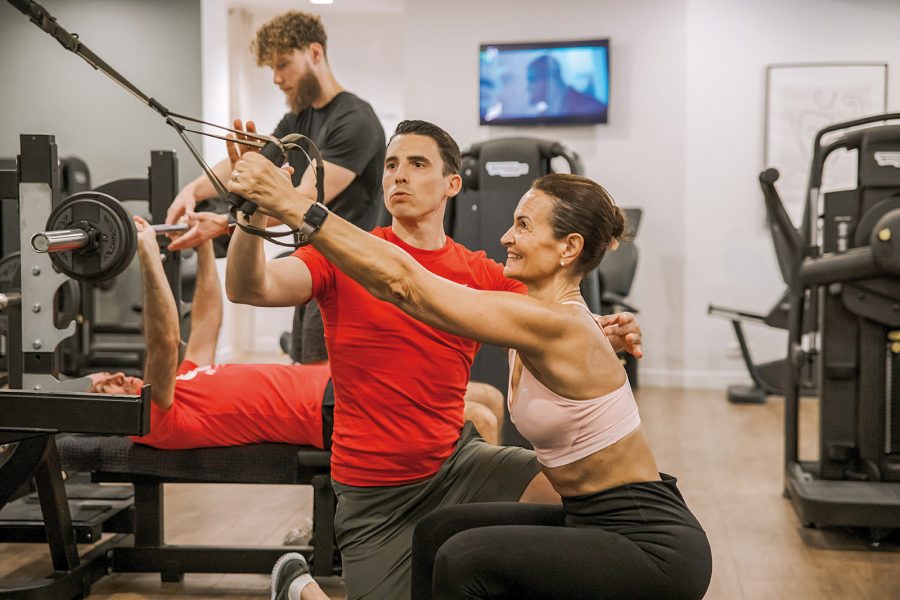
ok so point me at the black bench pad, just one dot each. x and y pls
(257, 463)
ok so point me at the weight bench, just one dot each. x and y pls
(117, 459)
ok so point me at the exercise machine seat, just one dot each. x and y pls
(255, 463)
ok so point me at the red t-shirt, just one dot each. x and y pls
(398, 383)
(235, 404)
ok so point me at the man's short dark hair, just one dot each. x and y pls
(446, 145)
(294, 30)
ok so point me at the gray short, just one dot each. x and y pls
(374, 525)
(308, 335)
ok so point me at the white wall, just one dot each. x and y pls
(684, 139)
(728, 251)
(638, 156)
(49, 90)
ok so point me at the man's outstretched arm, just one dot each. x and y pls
(206, 311)
(161, 331)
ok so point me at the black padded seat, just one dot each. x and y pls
(256, 463)
(117, 459)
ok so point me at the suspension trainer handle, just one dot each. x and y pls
(275, 153)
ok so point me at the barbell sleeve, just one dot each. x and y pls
(73, 239)
(10, 299)
(57, 241)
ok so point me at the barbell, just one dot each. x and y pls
(10, 269)
(91, 237)
(10, 299)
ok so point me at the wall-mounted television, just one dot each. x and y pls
(552, 83)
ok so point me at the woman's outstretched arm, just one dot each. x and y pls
(391, 274)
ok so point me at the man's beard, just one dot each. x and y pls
(305, 93)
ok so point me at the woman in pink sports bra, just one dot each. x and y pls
(623, 530)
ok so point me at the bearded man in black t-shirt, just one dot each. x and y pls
(343, 126)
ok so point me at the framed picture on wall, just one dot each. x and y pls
(801, 99)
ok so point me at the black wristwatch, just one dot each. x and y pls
(312, 220)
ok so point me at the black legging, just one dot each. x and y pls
(634, 541)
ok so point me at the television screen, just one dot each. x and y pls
(544, 83)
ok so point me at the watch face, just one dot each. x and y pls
(316, 215)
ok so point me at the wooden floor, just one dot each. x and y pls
(728, 461)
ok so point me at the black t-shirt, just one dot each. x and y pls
(348, 134)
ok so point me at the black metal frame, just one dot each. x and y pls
(31, 418)
(143, 549)
(848, 485)
(147, 551)
(72, 575)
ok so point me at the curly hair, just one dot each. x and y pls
(292, 30)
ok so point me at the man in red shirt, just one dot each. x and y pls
(399, 448)
(198, 403)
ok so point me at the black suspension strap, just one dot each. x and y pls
(272, 148)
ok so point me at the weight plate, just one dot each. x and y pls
(116, 238)
(10, 268)
(10, 281)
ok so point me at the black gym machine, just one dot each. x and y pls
(75, 512)
(847, 280)
(843, 319)
(91, 238)
(40, 404)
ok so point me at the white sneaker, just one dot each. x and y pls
(288, 568)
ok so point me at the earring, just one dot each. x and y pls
(562, 263)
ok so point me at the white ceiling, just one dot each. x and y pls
(339, 6)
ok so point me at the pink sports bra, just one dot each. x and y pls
(563, 430)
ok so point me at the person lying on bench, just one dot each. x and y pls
(198, 403)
